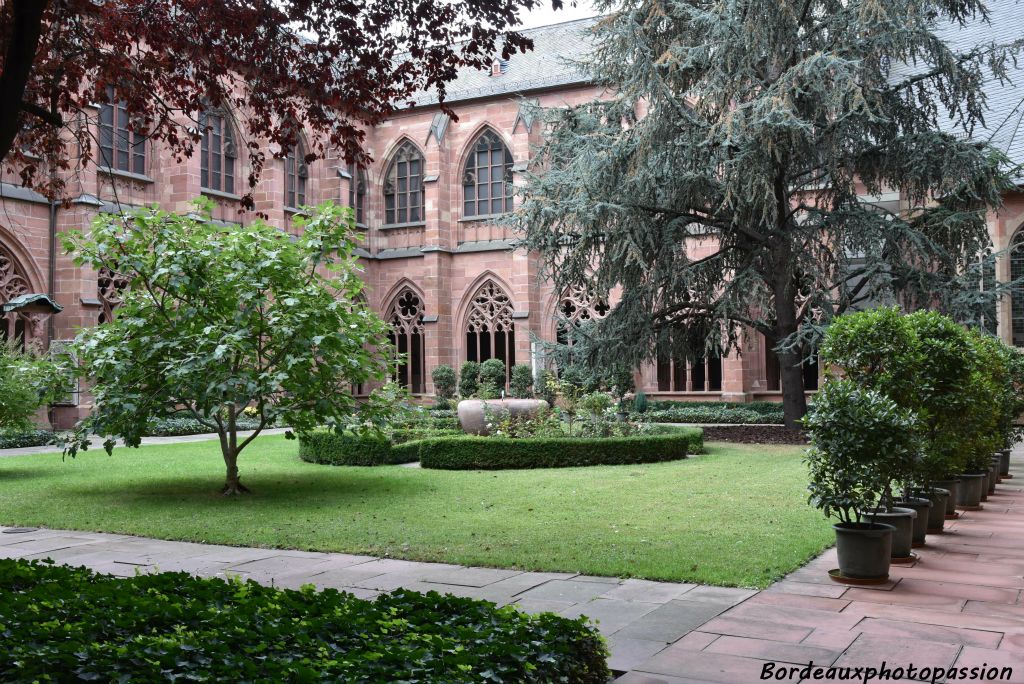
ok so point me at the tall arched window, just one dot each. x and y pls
(406, 318)
(490, 331)
(487, 178)
(120, 148)
(295, 175)
(219, 154)
(357, 193)
(1017, 294)
(13, 283)
(404, 197)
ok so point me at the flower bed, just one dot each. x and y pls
(468, 452)
(77, 625)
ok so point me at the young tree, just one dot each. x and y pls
(27, 382)
(218, 319)
(333, 67)
(720, 183)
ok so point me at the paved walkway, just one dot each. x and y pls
(97, 443)
(960, 605)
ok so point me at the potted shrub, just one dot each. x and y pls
(877, 349)
(854, 431)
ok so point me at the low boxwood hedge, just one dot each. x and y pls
(331, 448)
(175, 427)
(469, 452)
(70, 624)
(30, 438)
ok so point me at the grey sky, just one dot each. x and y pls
(544, 15)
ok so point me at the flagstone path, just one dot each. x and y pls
(960, 605)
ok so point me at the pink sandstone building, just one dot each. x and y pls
(438, 266)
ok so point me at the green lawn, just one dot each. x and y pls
(736, 516)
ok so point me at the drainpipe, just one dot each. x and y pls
(52, 280)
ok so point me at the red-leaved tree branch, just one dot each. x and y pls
(332, 67)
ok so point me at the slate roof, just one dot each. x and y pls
(546, 66)
(555, 46)
(1004, 127)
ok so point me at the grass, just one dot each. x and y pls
(737, 516)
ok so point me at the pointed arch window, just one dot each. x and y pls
(405, 315)
(296, 172)
(490, 330)
(404, 196)
(487, 178)
(577, 307)
(357, 193)
(1017, 293)
(13, 283)
(121, 148)
(219, 154)
(109, 287)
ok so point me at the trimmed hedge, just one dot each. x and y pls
(331, 448)
(695, 435)
(31, 438)
(469, 452)
(756, 413)
(175, 427)
(70, 624)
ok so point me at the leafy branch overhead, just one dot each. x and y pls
(331, 67)
(219, 317)
(730, 178)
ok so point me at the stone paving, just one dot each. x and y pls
(959, 605)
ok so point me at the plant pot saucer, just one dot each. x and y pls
(1007, 477)
(979, 507)
(861, 581)
(953, 516)
(906, 560)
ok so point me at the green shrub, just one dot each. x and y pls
(521, 382)
(70, 624)
(19, 439)
(707, 414)
(694, 435)
(492, 379)
(548, 387)
(174, 427)
(494, 453)
(861, 442)
(640, 402)
(469, 379)
(444, 382)
(401, 436)
(347, 448)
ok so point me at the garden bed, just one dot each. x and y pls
(753, 434)
(713, 412)
(31, 438)
(172, 626)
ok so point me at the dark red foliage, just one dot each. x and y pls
(333, 66)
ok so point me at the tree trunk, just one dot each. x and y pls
(22, 44)
(232, 486)
(229, 447)
(794, 403)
